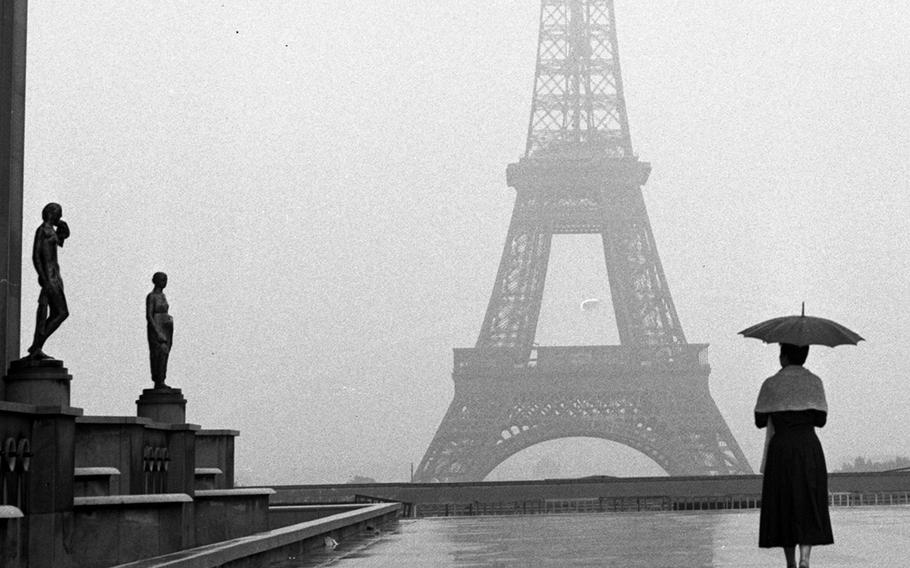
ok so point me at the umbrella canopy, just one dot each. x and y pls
(802, 330)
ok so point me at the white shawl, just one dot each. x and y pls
(793, 388)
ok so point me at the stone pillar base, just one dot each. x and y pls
(40, 382)
(165, 405)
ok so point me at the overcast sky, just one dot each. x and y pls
(324, 184)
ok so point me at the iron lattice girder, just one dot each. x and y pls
(578, 97)
(595, 195)
(560, 193)
(625, 395)
(511, 319)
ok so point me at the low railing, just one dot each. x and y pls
(546, 506)
(887, 498)
(640, 504)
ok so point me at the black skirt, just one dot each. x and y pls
(794, 507)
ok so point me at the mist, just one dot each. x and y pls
(325, 188)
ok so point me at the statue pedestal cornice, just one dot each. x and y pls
(165, 405)
(39, 382)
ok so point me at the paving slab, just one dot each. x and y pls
(864, 536)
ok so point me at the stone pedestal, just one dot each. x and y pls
(40, 382)
(165, 405)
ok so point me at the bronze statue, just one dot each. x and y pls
(52, 308)
(160, 329)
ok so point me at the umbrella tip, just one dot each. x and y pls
(804, 309)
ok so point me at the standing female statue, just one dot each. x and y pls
(160, 329)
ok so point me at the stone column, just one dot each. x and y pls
(12, 130)
(181, 447)
(51, 479)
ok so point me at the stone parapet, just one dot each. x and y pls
(223, 514)
(110, 530)
(152, 457)
(277, 545)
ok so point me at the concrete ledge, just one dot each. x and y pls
(147, 422)
(166, 426)
(10, 512)
(242, 492)
(223, 553)
(130, 500)
(23, 408)
(206, 478)
(208, 471)
(113, 420)
(286, 515)
(95, 471)
(218, 433)
(19, 407)
(95, 481)
(333, 507)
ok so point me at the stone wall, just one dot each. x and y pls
(112, 530)
(223, 514)
(92, 491)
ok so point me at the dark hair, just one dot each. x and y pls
(795, 354)
(46, 212)
(158, 276)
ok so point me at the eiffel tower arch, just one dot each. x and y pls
(580, 176)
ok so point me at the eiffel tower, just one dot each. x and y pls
(579, 175)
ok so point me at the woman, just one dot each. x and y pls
(794, 508)
(159, 328)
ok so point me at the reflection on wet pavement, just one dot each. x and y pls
(631, 540)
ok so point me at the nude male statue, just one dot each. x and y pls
(52, 308)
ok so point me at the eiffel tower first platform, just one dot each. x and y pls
(579, 175)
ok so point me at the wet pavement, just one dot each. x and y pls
(864, 536)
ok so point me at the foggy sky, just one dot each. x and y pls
(325, 186)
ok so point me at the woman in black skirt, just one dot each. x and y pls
(794, 508)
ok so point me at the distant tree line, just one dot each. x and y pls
(863, 464)
(361, 479)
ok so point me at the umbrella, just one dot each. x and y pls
(802, 330)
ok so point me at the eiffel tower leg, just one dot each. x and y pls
(511, 317)
(704, 444)
(457, 452)
(645, 314)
